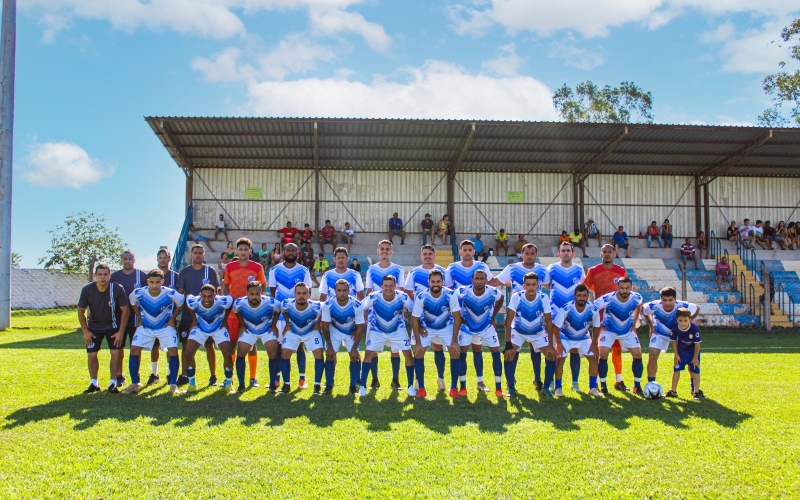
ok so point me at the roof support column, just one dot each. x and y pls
(451, 197)
(316, 179)
(189, 188)
(697, 205)
(582, 209)
(451, 180)
(576, 202)
(706, 214)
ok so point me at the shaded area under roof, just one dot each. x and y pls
(400, 144)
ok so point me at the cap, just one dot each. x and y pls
(591, 220)
(521, 235)
(427, 215)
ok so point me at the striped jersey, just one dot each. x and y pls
(516, 272)
(477, 311)
(343, 318)
(417, 279)
(209, 319)
(618, 316)
(301, 322)
(386, 316)
(283, 279)
(563, 281)
(529, 315)
(328, 283)
(156, 311)
(375, 274)
(258, 319)
(664, 322)
(436, 313)
(574, 325)
(458, 274)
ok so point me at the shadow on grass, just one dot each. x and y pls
(72, 339)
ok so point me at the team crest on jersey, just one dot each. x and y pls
(251, 278)
(616, 280)
(575, 280)
(205, 282)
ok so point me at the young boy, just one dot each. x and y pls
(686, 344)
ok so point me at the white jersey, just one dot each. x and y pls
(417, 279)
(618, 317)
(387, 316)
(529, 316)
(664, 322)
(375, 274)
(574, 325)
(301, 322)
(328, 283)
(563, 281)
(210, 319)
(516, 272)
(458, 274)
(156, 311)
(283, 279)
(477, 311)
(436, 313)
(343, 318)
(257, 320)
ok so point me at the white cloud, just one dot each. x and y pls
(53, 23)
(751, 51)
(335, 21)
(63, 164)
(505, 63)
(574, 56)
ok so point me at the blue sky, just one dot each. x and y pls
(89, 70)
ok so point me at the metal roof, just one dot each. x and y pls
(399, 144)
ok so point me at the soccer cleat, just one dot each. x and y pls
(671, 394)
(153, 379)
(620, 386)
(273, 388)
(112, 389)
(120, 380)
(498, 393)
(411, 391)
(227, 384)
(93, 388)
(576, 387)
(353, 389)
(316, 390)
(302, 385)
(538, 385)
(362, 391)
(594, 392)
(375, 385)
(421, 393)
(240, 389)
(253, 383)
(700, 393)
(175, 390)
(545, 392)
(212, 380)
(454, 394)
(510, 394)
(131, 389)
(286, 388)
(482, 387)
(696, 396)
(396, 384)
(440, 384)
(559, 393)
(192, 388)
(638, 391)
(604, 390)
(328, 390)
(182, 380)
(463, 392)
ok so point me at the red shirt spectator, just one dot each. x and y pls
(687, 249)
(327, 232)
(288, 232)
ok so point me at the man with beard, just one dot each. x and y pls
(564, 277)
(130, 278)
(577, 326)
(209, 314)
(342, 324)
(301, 325)
(256, 313)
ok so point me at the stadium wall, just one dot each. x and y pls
(765, 198)
(43, 289)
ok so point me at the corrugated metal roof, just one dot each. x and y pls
(389, 144)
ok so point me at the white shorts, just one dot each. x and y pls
(252, 339)
(487, 337)
(537, 341)
(584, 347)
(389, 345)
(397, 341)
(628, 341)
(659, 342)
(145, 338)
(280, 325)
(312, 340)
(201, 337)
(338, 338)
(442, 337)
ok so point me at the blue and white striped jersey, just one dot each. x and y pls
(283, 279)
(301, 322)
(618, 317)
(436, 313)
(664, 322)
(563, 281)
(387, 316)
(209, 320)
(156, 311)
(516, 272)
(529, 316)
(477, 311)
(417, 279)
(257, 320)
(574, 325)
(375, 274)
(457, 274)
(328, 283)
(343, 318)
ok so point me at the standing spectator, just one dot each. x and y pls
(687, 252)
(288, 234)
(592, 231)
(621, 241)
(780, 235)
(723, 271)
(263, 257)
(653, 233)
(702, 245)
(758, 234)
(276, 254)
(480, 253)
(519, 244)
(444, 227)
(223, 261)
(327, 235)
(355, 266)
(426, 226)
(222, 227)
(732, 232)
(321, 265)
(396, 229)
(230, 251)
(305, 235)
(769, 234)
(563, 238)
(306, 259)
(347, 235)
(501, 241)
(577, 240)
(666, 233)
(791, 235)
(198, 238)
(746, 233)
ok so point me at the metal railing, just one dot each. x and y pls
(786, 304)
(755, 305)
(715, 246)
(178, 257)
(742, 287)
(684, 295)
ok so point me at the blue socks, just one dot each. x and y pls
(536, 358)
(301, 365)
(638, 369)
(365, 369)
(462, 369)
(355, 368)
(592, 382)
(602, 370)
(286, 370)
(575, 366)
(549, 373)
(330, 370)
(438, 359)
(228, 373)
(240, 370)
(477, 360)
(174, 366)
(133, 368)
(419, 369)
(511, 368)
(190, 371)
(497, 367)
(558, 383)
(319, 367)
(410, 374)
(455, 371)
(374, 369)
(274, 367)
(651, 379)
(395, 368)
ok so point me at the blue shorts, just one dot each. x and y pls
(202, 238)
(686, 361)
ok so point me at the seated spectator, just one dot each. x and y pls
(443, 227)
(791, 236)
(521, 242)
(253, 255)
(563, 238)
(355, 266)
(746, 233)
(732, 232)
(426, 226)
(306, 259)
(288, 234)
(327, 235)
(276, 254)
(780, 235)
(347, 235)
(222, 227)
(576, 238)
(480, 253)
(223, 261)
(321, 265)
(723, 270)
(198, 238)
(591, 230)
(230, 251)
(666, 234)
(305, 235)
(687, 252)
(263, 257)
(621, 241)
(769, 234)
(702, 245)
(396, 229)
(501, 241)
(758, 235)
(653, 234)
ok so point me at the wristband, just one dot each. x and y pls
(509, 347)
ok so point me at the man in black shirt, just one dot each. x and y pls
(108, 308)
(130, 278)
(170, 280)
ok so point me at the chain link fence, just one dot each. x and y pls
(42, 293)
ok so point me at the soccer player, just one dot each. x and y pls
(577, 326)
(301, 318)
(436, 317)
(190, 281)
(170, 279)
(602, 279)
(238, 274)
(209, 313)
(375, 274)
(622, 310)
(661, 315)
(341, 272)
(686, 340)
(342, 323)
(282, 280)
(108, 314)
(513, 276)
(130, 278)
(256, 314)
(156, 308)
(480, 304)
(564, 277)
(387, 327)
(528, 320)
(416, 283)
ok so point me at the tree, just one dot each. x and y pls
(784, 86)
(82, 236)
(591, 104)
(16, 260)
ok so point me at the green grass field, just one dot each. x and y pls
(741, 442)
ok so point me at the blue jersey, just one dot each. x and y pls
(417, 279)
(618, 317)
(301, 322)
(328, 283)
(477, 311)
(686, 339)
(516, 272)
(258, 319)
(529, 316)
(574, 325)
(458, 274)
(563, 281)
(283, 279)
(664, 322)
(387, 316)
(375, 274)
(343, 318)
(209, 320)
(156, 311)
(436, 313)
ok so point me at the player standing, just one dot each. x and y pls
(686, 337)
(341, 272)
(301, 318)
(130, 278)
(170, 280)
(256, 314)
(209, 313)
(564, 277)
(577, 326)
(342, 323)
(662, 317)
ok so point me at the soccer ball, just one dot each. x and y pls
(653, 390)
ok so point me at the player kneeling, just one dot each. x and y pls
(302, 326)
(528, 320)
(436, 317)
(256, 314)
(209, 312)
(342, 324)
(157, 307)
(571, 329)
